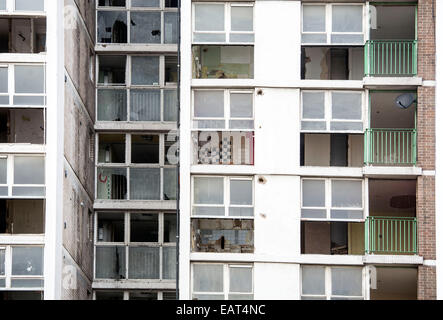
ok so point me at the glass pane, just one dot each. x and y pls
(112, 27)
(170, 28)
(349, 126)
(170, 227)
(208, 104)
(208, 278)
(313, 280)
(26, 5)
(144, 227)
(29, 100)
(241, 124)
(2, 283)
(346, 106)
(111, 227)
(26, 283)
(111, 105)
(112, 3)
(170, 105)
(241, 192)
(110, 263)
(313, 213)
(111, 295)
(241, 37)
(208, 297)
(145, 148)
(347, 38)
(314, 18)
(143, 296)
(112, 70)
(313, 105)
(29, 79)
(208, 211)
(111, 183)
(169, 258)
(313, 193)
(347, 193)
(3, 80)
(29, 170)
(169, 296)
(2, 262)
(347, 18)
(111, 148)
(241, 211)
(170, 184)
(2, 4)
(3, 170)
(241, 105)
(27, 261)
(346, 281)
(145, 71)
(145, 3)
(241, 297)
(209, 37)
(313, 125)
(145, 27)
(209, 17)
(347, 214)
(208, 190)
(28, 191)
(242, 18)
(240, 279)
(145, 184)
(144, 263)
(313, 38)
(145, 105)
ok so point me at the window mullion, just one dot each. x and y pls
(328, 195)
(328, 284)
(328, 12)
(227, 200)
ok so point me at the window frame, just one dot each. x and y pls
(162, 86)
(226, 279)
(328, 283)
(226, 198)
(11, 87)
(328, 25)
(127, 243)
(227, 24)
(128, 8)
(328, 118)
(8, 276)
(128, 165)
(328, 200)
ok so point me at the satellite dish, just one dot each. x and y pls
(404, 101)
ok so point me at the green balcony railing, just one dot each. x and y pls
(389, 235)
(391, 58)
(390, 147)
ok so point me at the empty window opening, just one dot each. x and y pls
(145, 149)
(112, 70)
(22, 216)
(223, 235)
(21, 295)
(383, 27)
(324, 63)
(386, 113)
(171, 69)
(223, 62)
(111, 148)
(22, 126)
(394, 283)
(110, 227)
(335, 150)
(23, 35)
(144, 227)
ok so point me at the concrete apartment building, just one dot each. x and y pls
(307, 149)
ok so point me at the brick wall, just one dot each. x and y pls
(426, 128)
(426, 39)
(426, 283)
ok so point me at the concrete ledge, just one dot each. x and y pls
(128, 48)
(392, 259)
(22, 148)
(392, 172)
(331, 172)
(134, 284)
(380, 82)
(22, 239)
(23, 57)
(166, 205)
(157, 126)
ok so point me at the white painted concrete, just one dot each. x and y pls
(283, 284)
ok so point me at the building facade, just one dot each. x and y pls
(164, 149)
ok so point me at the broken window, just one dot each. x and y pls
(146, 168)
(335, 150)
(208, 282)
(145, 27)
(223, 62)
(209, 25)
(332, 24)
(143, 241)
(332, 238)
(23, 35)
(331, 283)
(22, 126)
(339, 199)
(145, 103)
(222, 235)
(223, 196)
(329, 63)
(112, 27)
(22, 216)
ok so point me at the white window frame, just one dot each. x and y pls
(328, 111)
(328, 283)
(10, 177)
(128, 9)
(127, 244)
(10, 8)
(11, 87)
(8, 270)
(328, 24)
(226, 198)
(162, 85)
(226, 279)
(226, 109)
(126, 293)
(227, 23)
(128, 165)
(328, 199)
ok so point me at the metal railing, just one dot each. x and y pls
(391, 235)
(390, 58)
(390, 146)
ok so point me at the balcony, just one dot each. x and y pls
(390, 147)
(391, 235)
